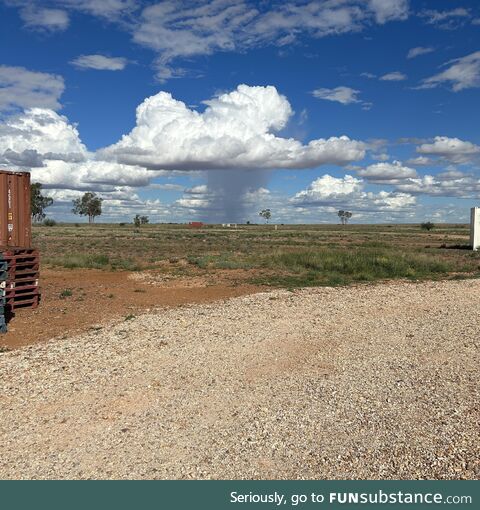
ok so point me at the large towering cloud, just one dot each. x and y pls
(235, 139)
(236, 131)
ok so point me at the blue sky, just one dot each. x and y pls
(250, 106)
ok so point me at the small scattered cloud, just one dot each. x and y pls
(45, 19)
(394, 76)
(461, 73)
(444, 184)
(419, 50)
(381, 157)
(167, 186)
(452, 174)
(388, 173)
(109, 9)
(343, 95)
(376, 144)
(451, 149)
(446, 20)
(411, 140)
(22, 88)
(420, 161)
(389, 10)
(370, 76)
(100, 62)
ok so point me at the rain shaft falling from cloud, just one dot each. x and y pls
(229, 194)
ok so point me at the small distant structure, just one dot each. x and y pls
(196, 224)
(475, 228)
(229, 225)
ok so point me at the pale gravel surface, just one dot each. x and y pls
(368, 382)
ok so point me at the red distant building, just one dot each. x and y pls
(196, 224)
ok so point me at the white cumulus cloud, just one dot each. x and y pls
(386, 172)
(452, 149)
(22, 88)
(45, 142)
(348, 192)
(235, 131)
(43, 131)
(445, 184)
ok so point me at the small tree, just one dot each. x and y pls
(89, 205)
(140, 220)
(344, 216)
(136, 221)
(266, 214)
(428, 225)
(38, 202)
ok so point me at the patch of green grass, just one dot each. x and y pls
(340, 267)
(223, 261)
(81, 260)
(125, 265)
(93, 261)
(66, 293)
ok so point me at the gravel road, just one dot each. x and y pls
(363, 382)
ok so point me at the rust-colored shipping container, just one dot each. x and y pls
(15, 214)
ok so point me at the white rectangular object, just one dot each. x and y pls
(475, 228)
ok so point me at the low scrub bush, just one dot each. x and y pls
(94, 261)
(339, 267)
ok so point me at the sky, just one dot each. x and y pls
(213, 111)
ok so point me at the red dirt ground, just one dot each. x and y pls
(100, 296)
